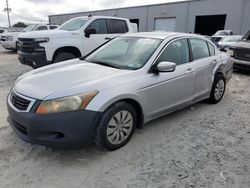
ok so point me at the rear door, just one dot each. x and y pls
(204, 61)
(117, 27)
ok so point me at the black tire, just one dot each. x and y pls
(213, 99)
(102, 139)
(63, 57)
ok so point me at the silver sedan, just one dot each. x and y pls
(103, 97)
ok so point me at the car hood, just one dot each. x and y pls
(11, 34)
(226, 43)
(219, 36)
(242, 44)
(67, 78)
(47, 33)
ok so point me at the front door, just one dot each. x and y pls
(101, 36)
(167, 91)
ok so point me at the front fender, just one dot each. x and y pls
(105, 99)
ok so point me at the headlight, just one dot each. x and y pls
(66, 104)
(230, 52)
(45, 39)
(9, 38)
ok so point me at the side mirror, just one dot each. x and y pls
(166, 66)
(89, 32)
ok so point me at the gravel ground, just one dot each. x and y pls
(200, 146)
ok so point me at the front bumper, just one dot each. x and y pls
(240, 64)
(34, 59)
(9, 45)
(31, 53)
(71, 130)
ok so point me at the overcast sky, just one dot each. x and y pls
(31, 11)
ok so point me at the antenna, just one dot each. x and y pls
(7, 10)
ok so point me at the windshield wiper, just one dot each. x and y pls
(104, 64)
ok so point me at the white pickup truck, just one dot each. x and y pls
(75, 38)
(9, 39)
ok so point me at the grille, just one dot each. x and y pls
(26, 45)
(19, 127)
(242, 55)
(3, 38)
(19, 102)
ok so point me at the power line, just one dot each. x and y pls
(29, 19)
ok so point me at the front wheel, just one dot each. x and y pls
(116, 126)
(63, 57)
(218, 89)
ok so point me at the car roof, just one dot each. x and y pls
(161, 35)
(96, 17)
(225, 30)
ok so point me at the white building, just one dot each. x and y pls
(199, 16)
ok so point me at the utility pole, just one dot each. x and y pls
(7, 10)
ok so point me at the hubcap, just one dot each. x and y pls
(219, 90)
(120, 127)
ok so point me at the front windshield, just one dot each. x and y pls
(125, 52)
(246, 37)
(73, 24)
(221, 33)
(232, 39)
(29, 28)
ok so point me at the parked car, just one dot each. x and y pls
(240, 53)
(211, 39)
(226, 42)
(221, 34)
(2, 31)
(129, 81)
(73, 39)
(9, 39)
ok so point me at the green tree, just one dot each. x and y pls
(19, 24)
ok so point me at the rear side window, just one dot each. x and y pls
(176, 52)
(199, 49)
(118, 26)
(100, 26)
(52, 27)
(1, 31)
(40, 28)
(211, 49)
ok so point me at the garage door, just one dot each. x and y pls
(166, 24)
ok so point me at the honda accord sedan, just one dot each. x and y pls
(103, 97)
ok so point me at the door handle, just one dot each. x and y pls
(107, 38)
(190, 70)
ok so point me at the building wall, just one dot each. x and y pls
(232, 8)
(238, 14)
(245, 24)
(135, 13)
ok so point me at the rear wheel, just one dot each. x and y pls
(218, 89)
(116, 126)
(63, 57)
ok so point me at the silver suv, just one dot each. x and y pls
(103, 97)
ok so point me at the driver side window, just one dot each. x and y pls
(100, 26)
(176, 52)
(41, 28)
